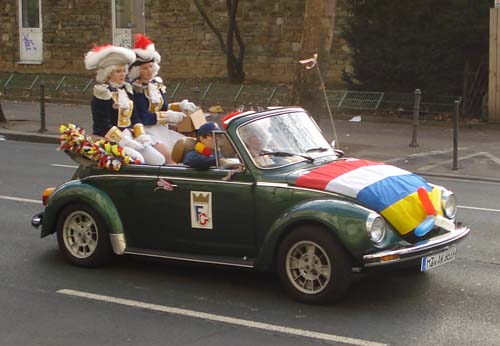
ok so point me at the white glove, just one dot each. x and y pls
(145, 139)
(172, 117)
(187, 106)
(127, 142)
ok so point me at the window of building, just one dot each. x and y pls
(30, 32)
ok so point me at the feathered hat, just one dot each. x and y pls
(144, 50)
(107, 55)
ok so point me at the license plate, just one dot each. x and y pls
(438, 259)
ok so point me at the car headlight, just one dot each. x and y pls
(375, 226)
(449, 204)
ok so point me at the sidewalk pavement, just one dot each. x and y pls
(372, 138)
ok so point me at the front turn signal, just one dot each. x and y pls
(46, 194)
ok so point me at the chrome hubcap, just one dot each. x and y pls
(80, 234)
(308, 267)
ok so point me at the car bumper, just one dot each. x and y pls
(416, 251)
(37, 220)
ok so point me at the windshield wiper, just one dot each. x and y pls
(285, 154)
(320, 149)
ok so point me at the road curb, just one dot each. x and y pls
(29, 137)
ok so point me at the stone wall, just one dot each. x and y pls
(70, 27)
(271, 31)
(8, 34)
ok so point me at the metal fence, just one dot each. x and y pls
(73, 87)
(208, 93)
(383, 101)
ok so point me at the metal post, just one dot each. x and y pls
(238, 95)
(205, 94)
(455, 134)
(270, 98)
(337, 144)
(7, 83)
(416, 115)
(175, 90)
(42, 108)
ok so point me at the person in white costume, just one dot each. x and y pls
(113, 114)
(149, 96)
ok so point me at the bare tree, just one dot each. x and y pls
(235, 70)
(317, 36)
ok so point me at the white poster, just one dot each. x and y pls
(30, 45)
(122, 37)
(201, 209)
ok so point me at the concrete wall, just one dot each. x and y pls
(271, 31)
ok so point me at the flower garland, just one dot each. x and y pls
(105, 153)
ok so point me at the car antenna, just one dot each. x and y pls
(310, 64)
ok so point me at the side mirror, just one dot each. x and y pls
(338, 152)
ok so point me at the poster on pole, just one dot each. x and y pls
(497, 3)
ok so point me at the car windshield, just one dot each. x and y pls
(284, 139)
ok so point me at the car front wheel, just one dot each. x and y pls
(313, 267)
(82, 236)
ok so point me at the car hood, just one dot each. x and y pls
(400, 196)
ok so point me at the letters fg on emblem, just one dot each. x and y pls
(201, 209)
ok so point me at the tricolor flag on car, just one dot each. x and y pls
(388, 190)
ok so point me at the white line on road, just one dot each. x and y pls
(65, 166)
(17, 199)
(223, 319)
(477, 208)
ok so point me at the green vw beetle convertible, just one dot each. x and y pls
(280, 198)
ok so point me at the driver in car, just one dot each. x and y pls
(255, 144)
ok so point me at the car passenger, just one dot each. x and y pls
(202, 156)
(150, 100)
(112, 106)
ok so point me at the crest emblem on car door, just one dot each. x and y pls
(201, 209)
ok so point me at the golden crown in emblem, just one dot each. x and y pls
(200, 198)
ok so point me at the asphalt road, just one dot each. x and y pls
(135, 300)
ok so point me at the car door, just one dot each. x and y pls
(205, 213)
(209, 212)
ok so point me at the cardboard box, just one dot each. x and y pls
(192, 122)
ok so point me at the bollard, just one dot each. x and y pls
(416, 115)
(42, 108)
(455, 135)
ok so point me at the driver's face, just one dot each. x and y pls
(254, 143)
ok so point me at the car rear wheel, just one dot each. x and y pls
(82, 236)
(313, 267)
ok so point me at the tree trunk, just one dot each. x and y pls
(234, 64)
(317, 36)
(3, 120)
